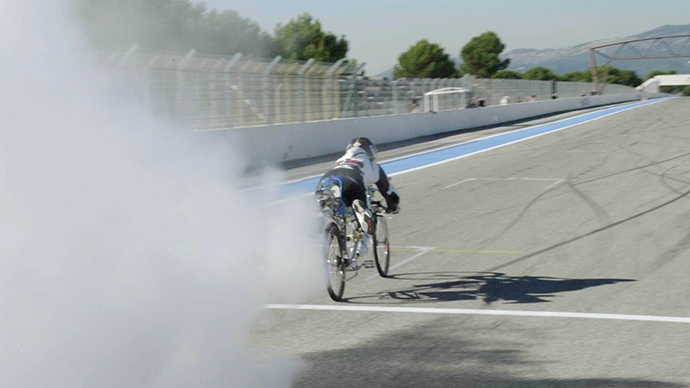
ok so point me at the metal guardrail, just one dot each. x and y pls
(206, 92)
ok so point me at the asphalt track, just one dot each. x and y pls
(558, 261)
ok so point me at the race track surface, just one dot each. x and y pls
(593, 220)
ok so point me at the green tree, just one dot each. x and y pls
(615, 76)
(303, 38)
(575, 76)
(686, 91)
(507, 74)
(660, 72)
(481, 55)
(424, 60)
(623, 77)
(540, 73)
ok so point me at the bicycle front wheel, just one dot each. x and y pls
(335, 267)
(382, 247)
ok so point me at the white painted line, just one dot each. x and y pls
(519, 140)
(603, 107)
(507, 179)
(555, 184)
(422, 251)
(593, 110)
(461, 182)
(510, 313)
(480, 139)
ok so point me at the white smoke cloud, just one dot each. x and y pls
(128, 257)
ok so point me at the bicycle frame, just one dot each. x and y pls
(336, 218)
(336, 213)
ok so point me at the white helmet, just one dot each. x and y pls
(365, 144)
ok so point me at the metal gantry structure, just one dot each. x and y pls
(664, 42)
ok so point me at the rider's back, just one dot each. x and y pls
(357, 158)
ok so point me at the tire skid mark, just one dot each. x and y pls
(590, 233)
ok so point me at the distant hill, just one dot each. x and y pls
(386, 74)
(576, 58)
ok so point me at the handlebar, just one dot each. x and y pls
(380, 205)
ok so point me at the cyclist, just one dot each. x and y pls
(355, 171)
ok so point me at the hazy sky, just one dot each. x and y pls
(379, 30)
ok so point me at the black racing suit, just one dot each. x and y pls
(356, 172)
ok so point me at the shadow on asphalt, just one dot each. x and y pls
(446, 357)
(487, 286)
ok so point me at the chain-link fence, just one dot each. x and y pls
(207, 91)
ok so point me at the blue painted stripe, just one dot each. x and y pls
(435, 156)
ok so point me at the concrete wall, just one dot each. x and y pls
(287, 142)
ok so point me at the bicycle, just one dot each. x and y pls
(382, 247)
(341, 242)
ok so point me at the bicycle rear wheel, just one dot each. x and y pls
(335, 267)
(382, 247)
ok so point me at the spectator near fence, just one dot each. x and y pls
(476, 102)
(414, 106)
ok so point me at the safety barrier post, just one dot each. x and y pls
(413, 93)
(268, 89)
(352, 93)
(396, 106)
(124, 60)
(354, 77)
(180, 80)
(148, 87)
(246, 91)
(302, 100)
(229, 79)
(331, 87)
(426, 85)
